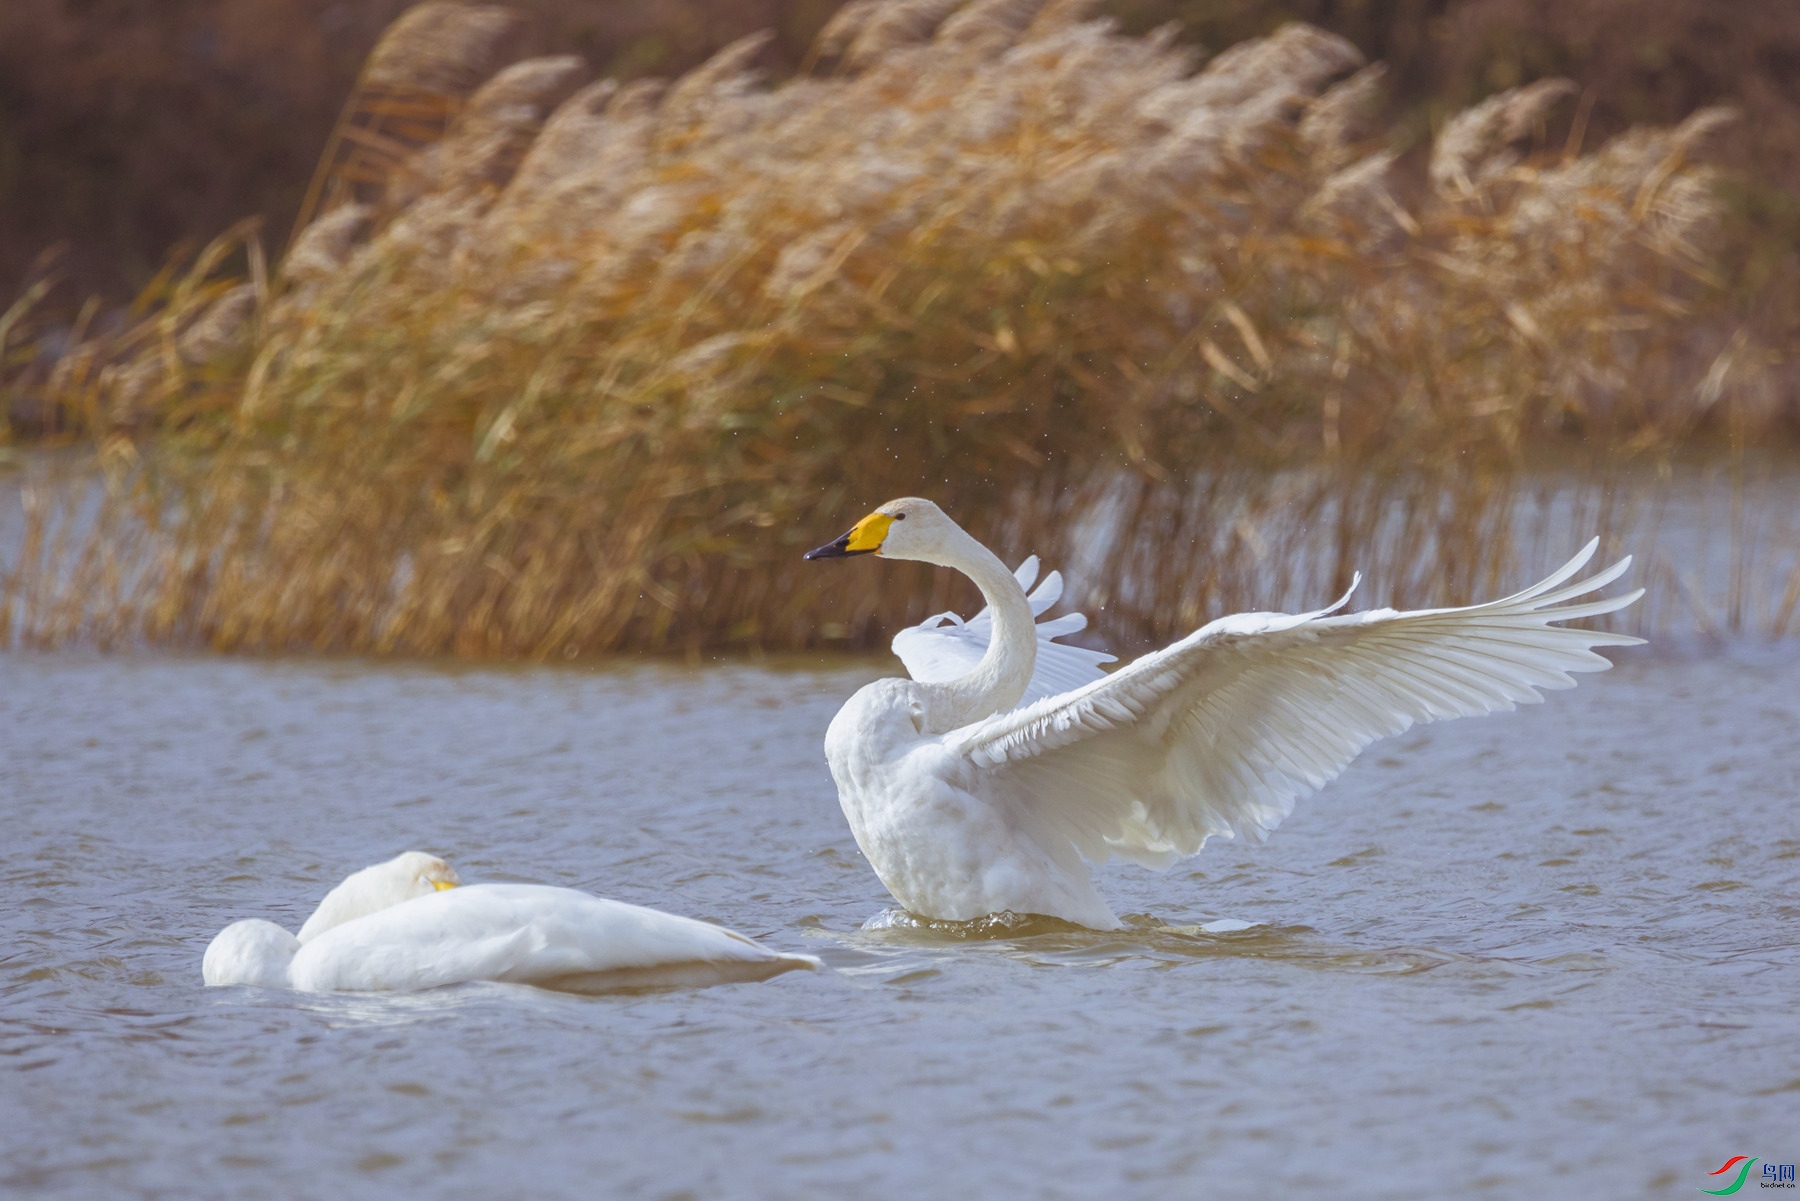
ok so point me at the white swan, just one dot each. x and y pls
(967, 803)
(407, 924)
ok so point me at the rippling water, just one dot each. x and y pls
(1545, 954)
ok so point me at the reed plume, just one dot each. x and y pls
(564, 383)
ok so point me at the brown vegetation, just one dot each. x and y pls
(129, 126)
(589, 372)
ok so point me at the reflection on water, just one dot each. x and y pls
(1546, 954)
(1048, 941)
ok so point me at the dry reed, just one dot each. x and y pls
(565, 392)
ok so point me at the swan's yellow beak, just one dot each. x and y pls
(865, 537)
(441, 885)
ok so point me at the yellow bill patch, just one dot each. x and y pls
(441, 885)
(869, 533)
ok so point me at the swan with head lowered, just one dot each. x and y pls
(982, 792)
(409, 923)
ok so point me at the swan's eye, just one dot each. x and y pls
(899, 517)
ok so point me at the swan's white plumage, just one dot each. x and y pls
(407, 875)
(944, 647)
(1222, 732)
(250, 952)
(509, 933)
(519, 934)
(1218, 734)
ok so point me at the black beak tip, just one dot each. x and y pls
(836, 549)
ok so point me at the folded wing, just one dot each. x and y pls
(517, 933)
(1223, 731)
(943, 647)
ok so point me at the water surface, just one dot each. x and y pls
(1543, 954)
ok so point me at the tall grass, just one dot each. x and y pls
(590, 372)
(127, 127)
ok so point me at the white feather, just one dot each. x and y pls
(1223, 731)
(944, 647)
(521, 934)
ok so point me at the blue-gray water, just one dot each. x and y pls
(1547, 954)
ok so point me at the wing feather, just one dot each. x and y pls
(1222, 732)
(944, 647)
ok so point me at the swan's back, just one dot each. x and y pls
(527, 934)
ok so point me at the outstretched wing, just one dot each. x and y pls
(1222, 732)
(944, 647)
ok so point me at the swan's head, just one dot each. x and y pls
(908, 528)
(405, 876)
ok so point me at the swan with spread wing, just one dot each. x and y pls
(989, 781)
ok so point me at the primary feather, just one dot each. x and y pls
(1223, 731)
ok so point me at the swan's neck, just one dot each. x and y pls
(368, 891)
(999, 680)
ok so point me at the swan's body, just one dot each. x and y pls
(967, 802)
(433, 933)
